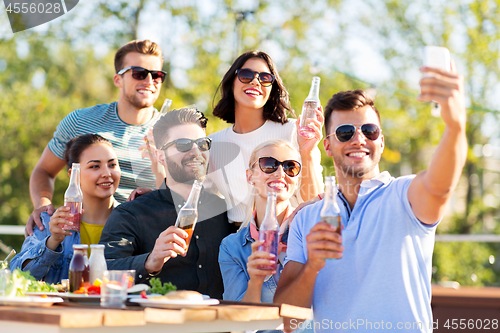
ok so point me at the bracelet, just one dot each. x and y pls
(319, 196)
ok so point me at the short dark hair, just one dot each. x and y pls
(279, 100)
(76, 146)
(348, 101)
(140, 46)
(174, 118)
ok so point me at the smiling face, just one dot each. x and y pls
(251, 95)
(358, 157)
(278, 181)
(139, 93)
(185, 167)
(100, 173)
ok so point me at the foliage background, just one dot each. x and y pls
(47, 72)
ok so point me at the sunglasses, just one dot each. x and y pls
(140, 73)
(246, 75)
(270, 165)
(185, 145)
(345, 132)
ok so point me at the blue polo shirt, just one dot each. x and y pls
(383, 279)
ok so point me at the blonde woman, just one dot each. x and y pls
(274, 166)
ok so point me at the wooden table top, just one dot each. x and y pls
(73, 316)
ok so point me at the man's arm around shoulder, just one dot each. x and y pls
(42, 187)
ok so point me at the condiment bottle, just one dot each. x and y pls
(97, 262)
(79, 268)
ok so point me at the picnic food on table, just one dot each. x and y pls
(182, 294)
(158, 288)
(22, 282)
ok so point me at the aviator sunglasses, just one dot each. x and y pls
(270, 165)
(246, 75)
(345, 132)
(140, 73)
(185, 145)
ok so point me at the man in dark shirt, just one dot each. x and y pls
(141, 235)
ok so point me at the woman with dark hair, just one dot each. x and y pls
(255, 101)
(47, 253)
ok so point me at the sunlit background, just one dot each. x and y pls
(48, 71)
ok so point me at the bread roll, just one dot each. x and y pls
(184, 294)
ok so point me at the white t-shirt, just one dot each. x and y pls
(229, 158)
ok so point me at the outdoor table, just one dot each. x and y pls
(79, 318)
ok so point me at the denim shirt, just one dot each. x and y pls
(47, 265)
(233, 257)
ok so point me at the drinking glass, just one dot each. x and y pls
(114, 288)
(4, 281)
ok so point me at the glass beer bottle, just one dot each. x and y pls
(309, 109)
(188, 215)
(269, 230)
(330, 213)
(79, 270)
(73, 198)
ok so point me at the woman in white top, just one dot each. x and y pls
(254, 99)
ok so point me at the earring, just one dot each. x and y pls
(252, 183)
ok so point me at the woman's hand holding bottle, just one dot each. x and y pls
(306, 145)
(259, 259)
(58, 220)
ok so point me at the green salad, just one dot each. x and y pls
(158, 288)
(22, 282)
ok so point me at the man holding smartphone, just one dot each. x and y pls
(381, 274)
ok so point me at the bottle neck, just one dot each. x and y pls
(75, 176)
(330, 206)
(270, 221)
(97, 251)
(330, 191)
(80, 251)
(194, 195)
(314, 92)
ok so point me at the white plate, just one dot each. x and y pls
(173, 303)
(43, 293)
(30, 301)
(80, 298)
(137, 288)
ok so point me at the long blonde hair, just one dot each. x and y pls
(253, 158)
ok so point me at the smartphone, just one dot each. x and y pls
(437, 57)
